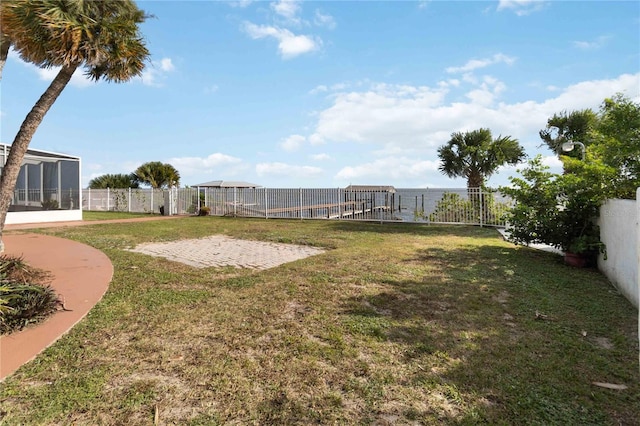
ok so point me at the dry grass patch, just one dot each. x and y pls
(394, 324)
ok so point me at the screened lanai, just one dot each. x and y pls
(47, 189)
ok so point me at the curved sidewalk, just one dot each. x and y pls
(81, 276)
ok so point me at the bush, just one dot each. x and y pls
(204, 211)
(453, 208)
(51, 204)
(558, 210)
(25, 296)
(24, 304)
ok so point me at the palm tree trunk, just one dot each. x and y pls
(23, 138)
(475, 179)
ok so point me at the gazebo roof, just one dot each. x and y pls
(226, 184)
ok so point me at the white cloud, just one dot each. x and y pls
(521, 7)
(318, 89)
(552, 161)
(316, 139)
(487, 91)
(592, 45)
(286, 8)
(321, 157)
(401, 118)
(397, 168)
(383, 114)
(166, 65)
(217, 163)
(323, 88)
(475, 64)
(292, 143)
(240, 3)
(323, 20)
(287, 170)
(78, 79)
(155, 74)
(289, 44)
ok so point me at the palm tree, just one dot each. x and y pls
(476, 155)
(101, 36)
(113, 181)
(157, 175)
(574, 126)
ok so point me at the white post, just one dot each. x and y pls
(151, 206)
(108, 199)
(89, 201)
(80, 186)
(266, 204)
(300, 190)
(481, 209)
(59, 191)
(129, 201)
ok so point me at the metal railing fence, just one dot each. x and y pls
(44, 199)
(474, 206)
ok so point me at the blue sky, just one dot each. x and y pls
(332, 93)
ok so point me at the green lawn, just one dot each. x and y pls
(393, 324)
(109, 215)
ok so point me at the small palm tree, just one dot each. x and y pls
(476, 155)
(574, 126)
(101, 36)
(113, 181)
(157, 175)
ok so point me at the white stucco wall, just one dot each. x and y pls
(619, 231)
(43, 216)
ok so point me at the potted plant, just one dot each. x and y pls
(558, 210)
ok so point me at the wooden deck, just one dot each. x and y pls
(326, 210)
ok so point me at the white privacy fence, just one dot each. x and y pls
(619, 223)
(473, 206)
(132, 200)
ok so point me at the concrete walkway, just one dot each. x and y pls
(505, 234)
(81, 275)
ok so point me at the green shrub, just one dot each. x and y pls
(204, 211)
(24, 304)
(51, 204)
(25, 296)
(558, 210)
(455, 209)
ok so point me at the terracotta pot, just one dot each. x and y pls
(576, 260)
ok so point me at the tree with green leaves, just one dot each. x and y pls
(157, 175)
(616, 144)
(102, 37)
(611, 138)
(576, 126)
(475, 155)
(558, 209)
(119, 181)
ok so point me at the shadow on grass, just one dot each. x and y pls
(413, 228)
(509, 335)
